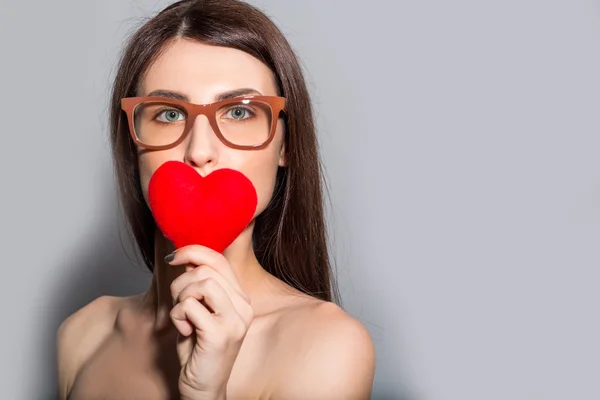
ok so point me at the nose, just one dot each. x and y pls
(201, 152)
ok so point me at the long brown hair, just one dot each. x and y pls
(289, 237)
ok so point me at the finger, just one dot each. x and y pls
(213, 294)
(241, 306)
(191, 311)
(202, 255)
(200, 273)
(197, 274)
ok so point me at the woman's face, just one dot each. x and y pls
(201, 72)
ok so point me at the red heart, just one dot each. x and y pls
(210, 211)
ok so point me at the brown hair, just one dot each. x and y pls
(289, 237)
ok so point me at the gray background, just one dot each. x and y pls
(461, 145)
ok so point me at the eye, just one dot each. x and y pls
(239, 113)
(170, 115)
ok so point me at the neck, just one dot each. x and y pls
(157, 301)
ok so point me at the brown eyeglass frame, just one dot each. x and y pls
(276, 103)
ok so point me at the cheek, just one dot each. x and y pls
(261, 169)
(148, 163)
(265, 192)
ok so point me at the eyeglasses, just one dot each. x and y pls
(244, 123)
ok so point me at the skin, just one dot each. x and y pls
(266, 339)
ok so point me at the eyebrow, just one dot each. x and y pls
(218, 97)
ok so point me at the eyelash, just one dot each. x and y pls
(247, 109)
(163, 110)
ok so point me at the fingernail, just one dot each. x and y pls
(170, 257)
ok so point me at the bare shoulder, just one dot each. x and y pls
(330, 353)
(79, 336)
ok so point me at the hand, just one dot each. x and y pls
(212, 314)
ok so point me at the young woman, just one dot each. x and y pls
(258, 321)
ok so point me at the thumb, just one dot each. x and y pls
(185, 346)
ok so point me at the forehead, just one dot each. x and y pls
(201, 71)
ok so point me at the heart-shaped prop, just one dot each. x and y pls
(210, 211)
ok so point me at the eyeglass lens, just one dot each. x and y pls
(243, 123)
